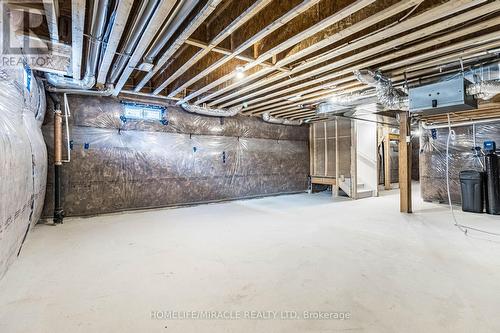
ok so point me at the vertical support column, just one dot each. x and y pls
(387, 159)
(335, 189)
(405, 163)
(311, 149)
(326, 149)
(354, 160)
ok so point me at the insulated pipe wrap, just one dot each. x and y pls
(57, 137)
(212, 112)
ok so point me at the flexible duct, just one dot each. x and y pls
(390, 97)
(106, 92)
(94, 45)
(141, 20)
(273, 120)
(344, 102)
(212, 112)
(182, 11)
(484, 89)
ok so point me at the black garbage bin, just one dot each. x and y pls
(472, 185)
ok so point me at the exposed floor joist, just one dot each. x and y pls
(428, 16)
(267, 30)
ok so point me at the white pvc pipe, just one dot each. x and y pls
(463, 123)
(67, 113)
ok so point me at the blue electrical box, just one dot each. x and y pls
(490, 146)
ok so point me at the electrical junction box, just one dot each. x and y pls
(442, 97)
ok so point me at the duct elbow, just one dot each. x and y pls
(390, 97)
(58, 81)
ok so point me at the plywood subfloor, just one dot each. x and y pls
(391, 272)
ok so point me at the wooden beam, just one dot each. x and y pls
(483, 39)
(354, 159)
(224, 51)
(405, 199)
(336, 17)
(311, 150)
(265, 31)
(387, 158)
(323, 181)
(27, 8)
(52, 57)
(441, 11)
(234, 25)
(335, 189)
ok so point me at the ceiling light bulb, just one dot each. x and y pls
(240, 72)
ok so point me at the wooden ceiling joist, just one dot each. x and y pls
(342, 34)
(293, 40)
(282, 57)
(265, 31)
(272, 84)
(225, 51)
(404, 68)
(235, 24)
(154, 27)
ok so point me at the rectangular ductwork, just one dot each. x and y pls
(442, 97)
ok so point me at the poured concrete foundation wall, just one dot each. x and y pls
(118, 165)
(433, 158)
(23, 159)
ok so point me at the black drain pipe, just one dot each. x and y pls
(58, 210)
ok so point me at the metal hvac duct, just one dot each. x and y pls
(486, 80)
(146, 11)
(100, 10)
(390, 97)
(273, 120)
(485, 89)
(212, 112)
(181, 12)
(106, 92)
(344, 103)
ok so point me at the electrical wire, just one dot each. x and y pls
(462, 227)
(450, 133)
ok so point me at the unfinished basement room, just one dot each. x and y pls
(250, 166)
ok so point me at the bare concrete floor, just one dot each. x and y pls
(296, 253)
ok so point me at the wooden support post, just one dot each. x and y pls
(387, 159)
(404, 163)
(311, 149)
(335, 189)
(326, 149)
(354, 160)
